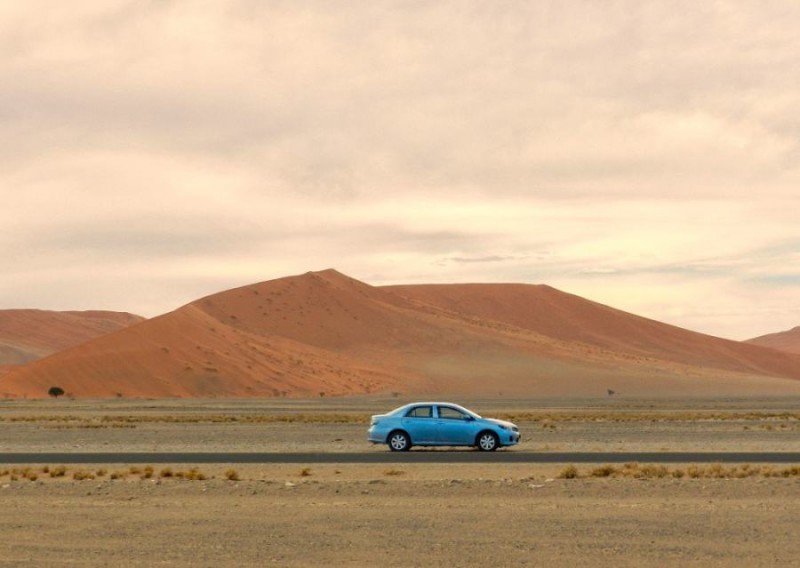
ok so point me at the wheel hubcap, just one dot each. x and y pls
(398, 442)
(487, 442)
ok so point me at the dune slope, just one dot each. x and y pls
(570, 318)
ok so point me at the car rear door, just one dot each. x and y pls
(420, 424)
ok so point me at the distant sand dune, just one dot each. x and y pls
(28, 335)
(784, 341)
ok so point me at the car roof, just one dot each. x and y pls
(433, 403)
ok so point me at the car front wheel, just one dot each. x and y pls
(399, 442)
(488, 442)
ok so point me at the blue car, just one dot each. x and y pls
(440, 424)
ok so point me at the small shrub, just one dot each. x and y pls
(694, 472)
(193, 474)
(81, 475)
(59, 471)
(232, 475)
(658, 471)
(198, 475)
(569, 472)
(305, 472)
(603, 471)
(23, 473)
(166, 473)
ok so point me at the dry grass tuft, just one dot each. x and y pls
(82, 475)
(59, 471)
(305, 472)
(394, 472)
(15, 474)
(569, 472)
(232, 475)
(194, 474)
(603, 471)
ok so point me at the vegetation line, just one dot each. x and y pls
(654, 471)
(546, 418)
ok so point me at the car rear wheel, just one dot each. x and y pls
(399, 441)
(488, 441)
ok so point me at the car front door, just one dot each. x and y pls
(453, 427)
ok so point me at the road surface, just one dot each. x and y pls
(387, 457)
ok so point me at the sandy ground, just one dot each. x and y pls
(404, 515)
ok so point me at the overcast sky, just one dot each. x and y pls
(645, 155)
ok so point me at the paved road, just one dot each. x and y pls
(418, 456)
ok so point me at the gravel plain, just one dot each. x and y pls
(410, 514)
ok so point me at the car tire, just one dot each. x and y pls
(488, 441)
(399, 441)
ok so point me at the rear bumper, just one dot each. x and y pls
(376, 436)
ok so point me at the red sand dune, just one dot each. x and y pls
(784, 340)
(28, 335)
(325, 333)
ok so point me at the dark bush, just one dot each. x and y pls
(55, 392)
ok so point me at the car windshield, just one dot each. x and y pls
(467, 411)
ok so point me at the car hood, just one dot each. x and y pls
(501, 422)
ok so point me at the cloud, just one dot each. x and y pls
(481, 259)
(605, 148)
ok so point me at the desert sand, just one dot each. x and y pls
(325, 334)
(396, 515)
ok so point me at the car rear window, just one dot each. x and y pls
(420, 412)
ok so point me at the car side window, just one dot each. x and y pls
(420, 412)
(451, 413)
